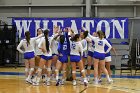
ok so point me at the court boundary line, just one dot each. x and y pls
(78, 75)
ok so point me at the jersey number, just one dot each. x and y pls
(73, 46)
(64, 47)
(100, 43)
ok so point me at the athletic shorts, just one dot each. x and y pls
(46, 57)
(107, 55)
(29, 55)
(63, 59)
(74, 58)
(54, 54)
(90, 53)
(97, 55)
(39, 55)
(108, 59)
(84, 54)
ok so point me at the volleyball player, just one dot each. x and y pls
(75, 57)
(38, 52)
(83, 35)
(28, 45)
(63, 50)
(45, 46)
(90, 55)
(108, 59)
(54, 51)
(99, 54)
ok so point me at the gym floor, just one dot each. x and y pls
(12, 81)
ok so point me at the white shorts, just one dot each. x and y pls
(108, 59)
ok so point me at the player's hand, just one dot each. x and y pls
(60, 55)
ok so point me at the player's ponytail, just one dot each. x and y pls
(85, 34)
(100, 34)
(27, 36)
(46, 32)
(62, 39)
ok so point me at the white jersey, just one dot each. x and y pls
(100, 44)
(54, 47)
(90, 46)
(76, 48)
(43, 43)
(37, 50)
(84, 45)
(27, 47)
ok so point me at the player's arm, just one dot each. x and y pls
(109, 46)
(81, 49)
(19, 47)
(41, 46)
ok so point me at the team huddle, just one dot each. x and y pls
(46, 54)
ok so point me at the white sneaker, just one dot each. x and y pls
(100, 80)
(34, 79)
(44, 79)
(48, 83)
(74, 82)
(111, 79)
(29, 81)
(62, 82)
(85, 82)
(96, 82)
(35, 84)
(88, 78)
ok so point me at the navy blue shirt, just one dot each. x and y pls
(64, 48)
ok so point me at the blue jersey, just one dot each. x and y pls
(106, 48)
(64, 48)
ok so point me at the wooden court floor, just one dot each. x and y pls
(16, 84)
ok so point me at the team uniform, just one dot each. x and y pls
(46, 55)
(91, 48)
(99, 52)
(76, 51)
(108, 55)
(38, 52)
(84, 45)
(28, 53)
(29, 48)
(64, 49)
(54, 47)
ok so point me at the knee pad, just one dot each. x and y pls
(73, 72)
(83, 71)
(31, 69)
(63, 72)
(26, 70)
(48, 69)
(39, 70)
(88, 67)
(53, 68)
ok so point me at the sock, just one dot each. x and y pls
(108, 78)
(48, 79)
(85, 79)
(57, 77)
(38, 79)
(96, 79)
